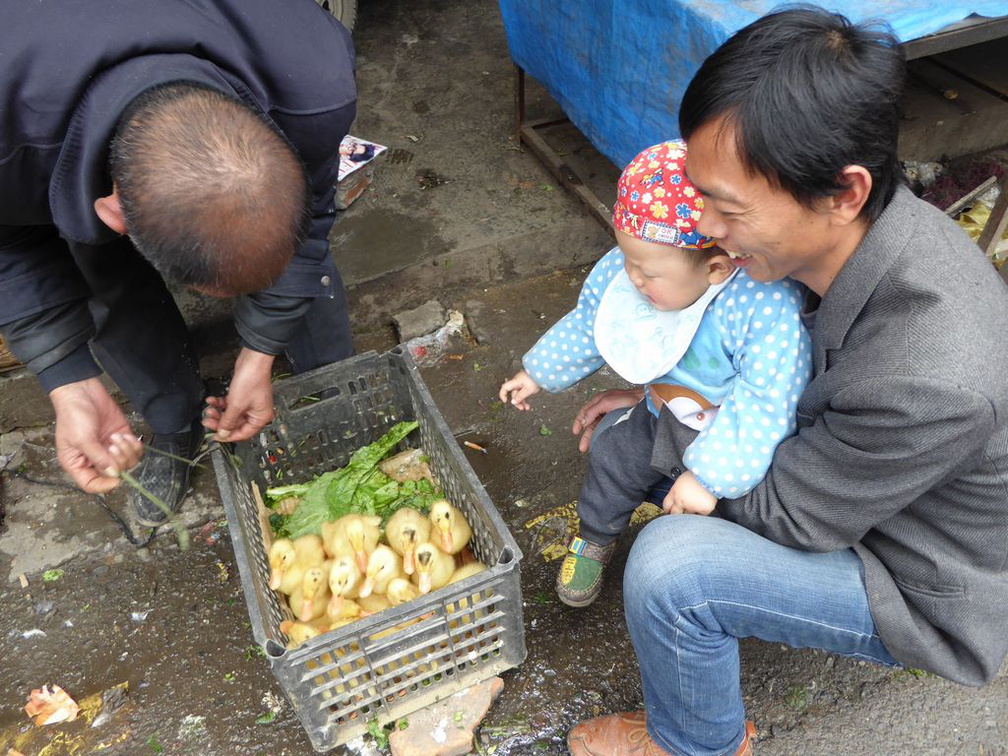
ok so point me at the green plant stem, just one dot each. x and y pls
(180, 532)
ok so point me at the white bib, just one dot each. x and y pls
(639, 341)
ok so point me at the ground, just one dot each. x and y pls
(460, 214)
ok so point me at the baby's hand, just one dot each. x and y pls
(518, 389)
(689, 497)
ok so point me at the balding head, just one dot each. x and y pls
(211, 194)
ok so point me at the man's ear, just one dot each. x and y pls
(719, 267)
(846, 206)
(110, 211)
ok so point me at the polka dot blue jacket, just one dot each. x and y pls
(751, 357)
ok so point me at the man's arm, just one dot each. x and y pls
(43, 306)
(879, 446)
(266, 320)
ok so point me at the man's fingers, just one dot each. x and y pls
(86, 474)
(126, 450)
(240, 426)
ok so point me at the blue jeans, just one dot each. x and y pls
(694, 585)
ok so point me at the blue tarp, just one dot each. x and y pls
(618, 68)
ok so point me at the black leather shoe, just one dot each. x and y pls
(166, 477)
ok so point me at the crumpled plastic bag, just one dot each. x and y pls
(973, 220)
(51, 705)
(427, 350)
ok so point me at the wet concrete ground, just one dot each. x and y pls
(457, 214)
(174, 625)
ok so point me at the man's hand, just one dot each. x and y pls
(518, 389)
(94, 442)
(689, 497)
(248, 406)
(597, 407)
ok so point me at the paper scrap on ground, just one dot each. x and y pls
(50, 705)
(356, 153)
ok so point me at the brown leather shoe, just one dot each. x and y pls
(626, 735)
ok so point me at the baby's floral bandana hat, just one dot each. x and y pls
(656, 202)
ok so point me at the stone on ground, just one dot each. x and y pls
(446, 727)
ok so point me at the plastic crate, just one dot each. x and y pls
(392, 663)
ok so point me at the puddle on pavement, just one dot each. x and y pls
(372, 242)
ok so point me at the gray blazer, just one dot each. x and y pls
(902, 444)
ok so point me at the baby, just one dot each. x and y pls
(724, 359)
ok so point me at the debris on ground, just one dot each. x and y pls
(427, 350)
(446, 727)
(556, 527)
(51, 705)
(420, 321)
(111, 701)
(554, 530)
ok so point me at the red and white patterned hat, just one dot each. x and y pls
(655, 202)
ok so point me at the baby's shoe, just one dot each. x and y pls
(580, 578)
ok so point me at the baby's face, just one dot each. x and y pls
(665, 275)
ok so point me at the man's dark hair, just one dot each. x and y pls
(212, 193)
(807, 94)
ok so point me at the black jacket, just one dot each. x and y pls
(68, 69)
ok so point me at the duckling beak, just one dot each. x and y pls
(276, 577)
(367, 588)
(362, 559)
(306, 610)
(335, 604)
(425, 582)
(409, 562)
(447, 541)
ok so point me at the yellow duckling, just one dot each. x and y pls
(405, 530)
(289, 559)
(354, 534)
(433, 569)
(383, 565)
(298, 632)
(466, 570)
(400, 590)
(345, 612)
(310, 600)
(374, 603)
(345, 580)
(450, 530)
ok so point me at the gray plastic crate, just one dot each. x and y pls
(388, 665)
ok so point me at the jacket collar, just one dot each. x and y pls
(81, 173)
(862, 273)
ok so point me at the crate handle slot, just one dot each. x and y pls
(274, 650)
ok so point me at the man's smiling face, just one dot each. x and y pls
(765, 230)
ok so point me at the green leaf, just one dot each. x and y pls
(277, 493)
(331, 495)
(51, 576)
(379, 733)
(544, 431)
(279, 524)
(266, 718)
(154, 745)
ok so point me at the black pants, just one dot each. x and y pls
(631, 461)
(142, 341)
